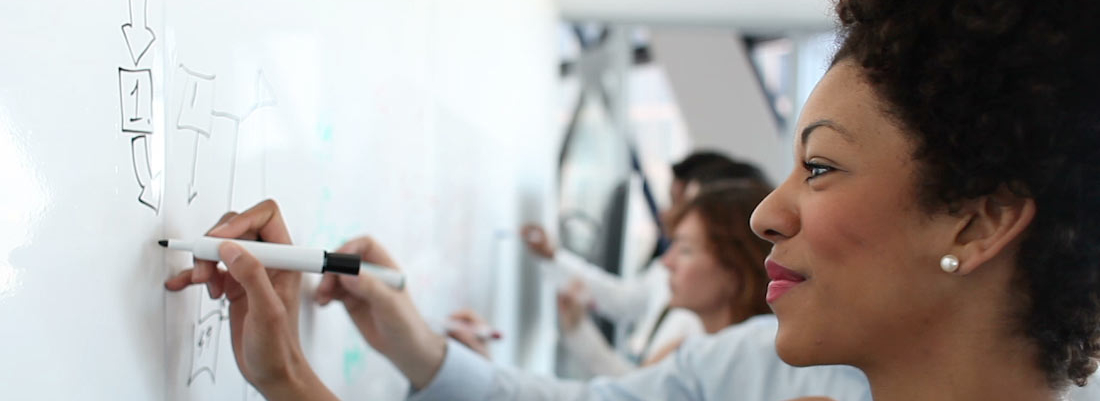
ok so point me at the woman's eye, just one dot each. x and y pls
(816, 170)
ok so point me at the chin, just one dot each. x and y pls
(796, 348)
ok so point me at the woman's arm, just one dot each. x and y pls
(585, 344)
(616, 299)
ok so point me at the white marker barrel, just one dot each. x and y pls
(290, 257)
(277, 256)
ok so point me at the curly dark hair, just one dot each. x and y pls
(1004, 94)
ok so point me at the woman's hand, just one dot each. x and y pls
(386, 317)
(537, 240)
(263, 306)
(572, 305)
(466, 332)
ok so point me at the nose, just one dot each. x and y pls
(668, 260)
(776, 217)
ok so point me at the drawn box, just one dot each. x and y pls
(135, 92)
(197, 105)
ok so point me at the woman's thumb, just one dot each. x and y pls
(251, 274)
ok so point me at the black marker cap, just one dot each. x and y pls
(344, 263)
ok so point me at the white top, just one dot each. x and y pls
(619, 300)
(738, 363)
(636, 302)
(1091, 391)
(587, 345)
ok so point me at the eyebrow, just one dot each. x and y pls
(825, 123)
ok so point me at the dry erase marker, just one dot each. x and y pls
(290, 257)
(481, 331)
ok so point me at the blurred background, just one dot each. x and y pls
(439, 127)
(642, 84)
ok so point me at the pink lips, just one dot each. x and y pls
(783, 279)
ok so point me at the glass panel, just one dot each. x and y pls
(595, 163)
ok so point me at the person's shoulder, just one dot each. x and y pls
(756, 328)
(743, 358)
(753, 336)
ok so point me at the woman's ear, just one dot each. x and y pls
(990, 226)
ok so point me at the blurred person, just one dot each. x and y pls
(714, 273)
(642, 302)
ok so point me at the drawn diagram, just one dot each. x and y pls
(139, 37)
(135, 88)
(149, 183)
(205, 341)
(135, 94)
(197, 108)
(197, 113)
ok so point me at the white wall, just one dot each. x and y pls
(746, 15)
(425, 123)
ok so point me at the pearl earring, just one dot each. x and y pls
(949, 263)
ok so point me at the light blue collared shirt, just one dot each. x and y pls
(738, 363)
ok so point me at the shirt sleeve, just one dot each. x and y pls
(623, 301)
(739, 363)
(464, 376)
(588, 346)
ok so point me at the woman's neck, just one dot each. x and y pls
(945, 365)
(716, 319)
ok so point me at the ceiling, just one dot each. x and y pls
(750, 16)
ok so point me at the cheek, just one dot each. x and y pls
(685, 275)
(850, 232)
(687, 280)
(861, 256)
(856, 251)
(706, 283)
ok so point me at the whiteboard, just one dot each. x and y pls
(426, 123)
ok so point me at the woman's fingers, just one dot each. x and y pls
(468, 316)
(533, 235)
(464, 314)
(251, 274)
(369, 250)
(470, 340)
(263, 221)
(536, 239)
(363, 287)
(205, 269)
(216, 286)
(179, 281)
(328, 290)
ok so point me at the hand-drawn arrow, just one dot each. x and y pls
(139, 37)
(147, 180)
